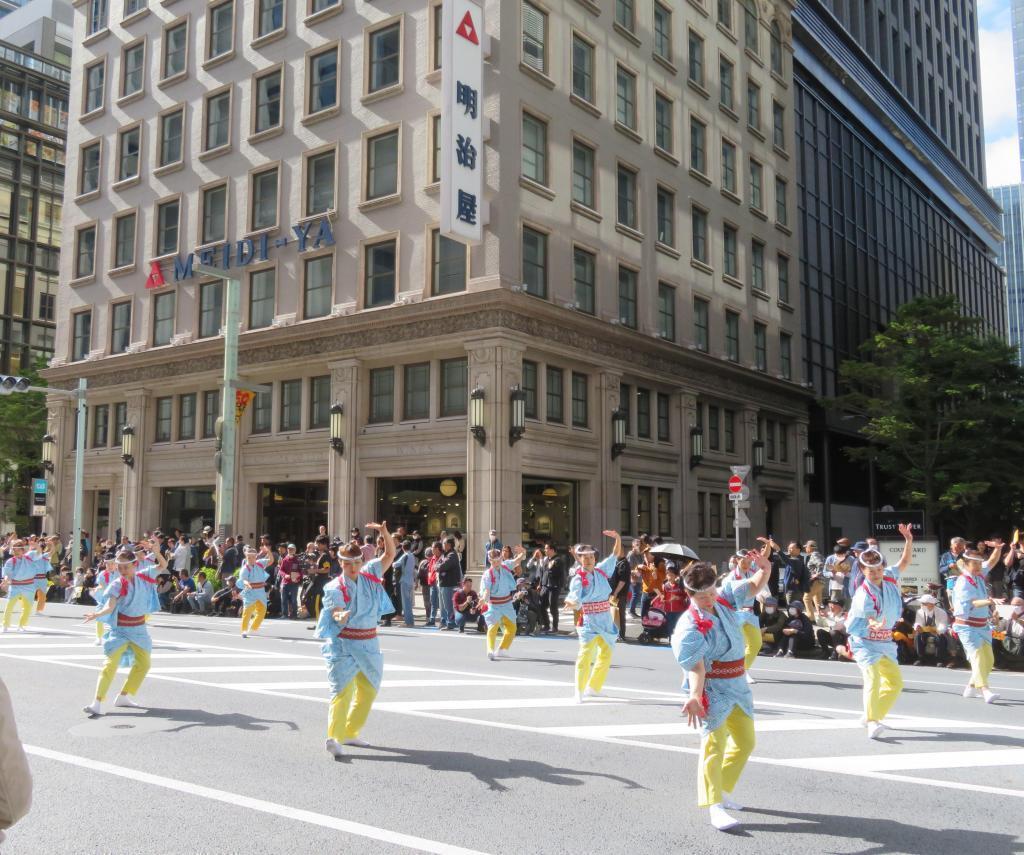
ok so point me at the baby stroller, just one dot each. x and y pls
(655, 624)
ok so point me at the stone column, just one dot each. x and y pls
(494, 472)
(342, 469)
(137, 517)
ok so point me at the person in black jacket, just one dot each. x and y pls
(552, 580)
(798, 632)
(449, 577)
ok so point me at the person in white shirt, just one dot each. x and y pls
(931, 632)
(182, 555)
(831, 630)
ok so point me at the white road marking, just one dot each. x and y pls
(359, 829)
(493, 704)
(855, 677)
(917, 760)
(393, 684)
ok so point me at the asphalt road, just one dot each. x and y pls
(472, 755)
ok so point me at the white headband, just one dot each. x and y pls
(706, 590)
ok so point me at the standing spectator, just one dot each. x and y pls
(369, 548)
(182, 556)
(202, 600)
(620, 583)
(423, 577)
(323, 567)
(467, 602)
(291, 581)
(552, 580)
(815, 565)
(535, 566)
(947, 564)
(1014, 564)
(653, 575)
(405, 568)
(436, 555)
(418, 546)
(931, 632)
(674, 599)
(796, 580)
(493, 542)
(837, 571)
(798, 633)
(449, 577)
(636, 559)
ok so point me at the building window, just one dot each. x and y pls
(713, 428)
(625, 405)
(584, 274)
(435, 151)
(643, 413)
(755, 191)
(268, 102)
(454, 386)
(416, 388)
(730, 259)
(175, 50)
(783, 442)
(164, 410)
(319, 402)
(317, 6)
(385, 57)
(786, 356)
(555, 395)
(530, 388)
(699, 221)
(171, 133)
(695, 58)
(263, 211)
(666, 217)
(100, 424)
(320, 183)
(211, 308)
(382, 165)
(211, 412)
(95, 75)
(625, 14)
(128, 153)
(163, 318)
(582, 174)
(382, 395)
(317, 286)
(124, 240)
(262, 412)
(715, 514)
(89, 175)
(381, 266)
(702, 503)
(535, 149)
(729, 430)
(757, 278)
(133, 61)
(663, 136)
(664, 512)
(783, 276)
(120, 327)
(535, 37)
(97, 16)
(627, 297)
(437, 36)
(214, 205)
(643, 510)
(750, 34)
(220, 29)
(262, 285)
(698, 146)
(85, 252)
(625, 98)
(700, 324)
(535, 262)
(625, 507)
(769, 438)
(580, 400)
(291, 405)
(448, 265)
(582, 69)
(666, 311)
(725, 13)
(323, 81)
(81, 336)
(218, 121)
(778, 125)
(270, 17)
(753, 105)
(167, 227)
(781, 212)
(728, 166)
(663, 32)
(187, 416)
(732, 336)
(664, 418)
(626, 201)
(726, 90)
(775, 49)
(760, 347)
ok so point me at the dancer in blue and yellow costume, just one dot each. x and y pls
(496, 589)
(252, 582)
(129, 600)
(353, 605)
(589, 592)
(740, 588)
(877, 605)
(971, 601)
(709, 645)
(20, 582)
(104, 579)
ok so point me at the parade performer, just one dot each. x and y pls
(20, 582)
(40, 556)
(252, 582)
(496, 589)
(589, 592)
(129, 600)
(353, 605)
(877, 605)
(739, 589)
(709, 644)
(104, 579)
(970, 601)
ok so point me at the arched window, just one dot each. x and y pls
(750, 25)
(776, 48)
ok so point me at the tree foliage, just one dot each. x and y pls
(944, 408)
(22, 425)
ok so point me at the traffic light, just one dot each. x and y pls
(9, 383)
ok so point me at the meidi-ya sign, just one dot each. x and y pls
(305, 236)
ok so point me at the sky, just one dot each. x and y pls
(995, 54)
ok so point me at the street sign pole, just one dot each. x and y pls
(76, 516)
(739, 492)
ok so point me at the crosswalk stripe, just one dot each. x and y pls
(492, 704)
(917, 760)
(392, 684)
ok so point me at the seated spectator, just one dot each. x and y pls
(674, 600)
(931, 632)
(165, 590)
(227, 602)
(466, 602)
(831, 633)
(1008, 643)
(798, 632)
(772, 621)
(185, 586)
(202, 600)
(68, 581)
(903, 635)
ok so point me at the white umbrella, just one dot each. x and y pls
(677, 550)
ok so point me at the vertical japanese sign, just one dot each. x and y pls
(461, 143)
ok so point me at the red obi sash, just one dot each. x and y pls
(596, 607)
(358, 634)
(131, 620)
(726, 670)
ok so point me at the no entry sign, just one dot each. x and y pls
(735, 484)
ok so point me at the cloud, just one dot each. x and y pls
(995, 54)
(1002, 161)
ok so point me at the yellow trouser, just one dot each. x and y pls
(40, 601)
(724, 753)
(509, 632)
(751, 644)
(26, 609)
(254, 612)
(350, 708)
(882, 685)
(596, 648)
(135, 676)
(101, 628)
(981, 666)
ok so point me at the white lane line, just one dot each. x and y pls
(683, 729)
(391, 684)
(67, 645)
(917, 761)
(259, 669)
(856, 678)
(359, 829)
(161, 654)
(493, 704)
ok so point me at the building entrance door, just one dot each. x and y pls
(293, 512)
(426, 505)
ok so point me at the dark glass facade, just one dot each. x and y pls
(1011, 258)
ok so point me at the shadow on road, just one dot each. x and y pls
(489, 770)
(204, 718)
(944, 736)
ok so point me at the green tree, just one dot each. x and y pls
(22, 425)
(943, 403)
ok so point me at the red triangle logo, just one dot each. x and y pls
(156, 276)
(467, 30)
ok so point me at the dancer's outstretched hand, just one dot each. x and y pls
(694, 710)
